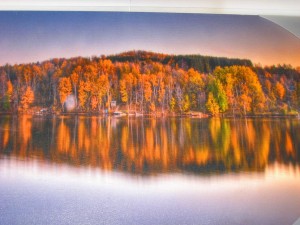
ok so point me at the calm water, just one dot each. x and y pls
(96, 170)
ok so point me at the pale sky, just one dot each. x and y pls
(37, 36)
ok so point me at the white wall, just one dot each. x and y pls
(284, 12)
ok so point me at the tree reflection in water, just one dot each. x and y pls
(152, 146)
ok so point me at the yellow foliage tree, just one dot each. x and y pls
(238, 81)
(212, 105)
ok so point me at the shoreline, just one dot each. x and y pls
(198, 115)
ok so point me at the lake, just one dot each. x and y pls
(107, 170)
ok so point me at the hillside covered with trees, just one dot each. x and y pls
(147, 82)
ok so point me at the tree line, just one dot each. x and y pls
(150, 82)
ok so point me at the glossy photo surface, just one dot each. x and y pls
(79, 169)
(148, 118)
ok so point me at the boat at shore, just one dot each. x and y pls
(119, 114)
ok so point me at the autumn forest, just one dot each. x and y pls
(150, 83)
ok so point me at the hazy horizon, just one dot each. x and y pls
(28, 37)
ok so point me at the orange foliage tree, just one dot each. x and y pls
(279, 90)
(27, 98)
(151, 82)
(65, 89)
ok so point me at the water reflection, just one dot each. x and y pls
(152, 146)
